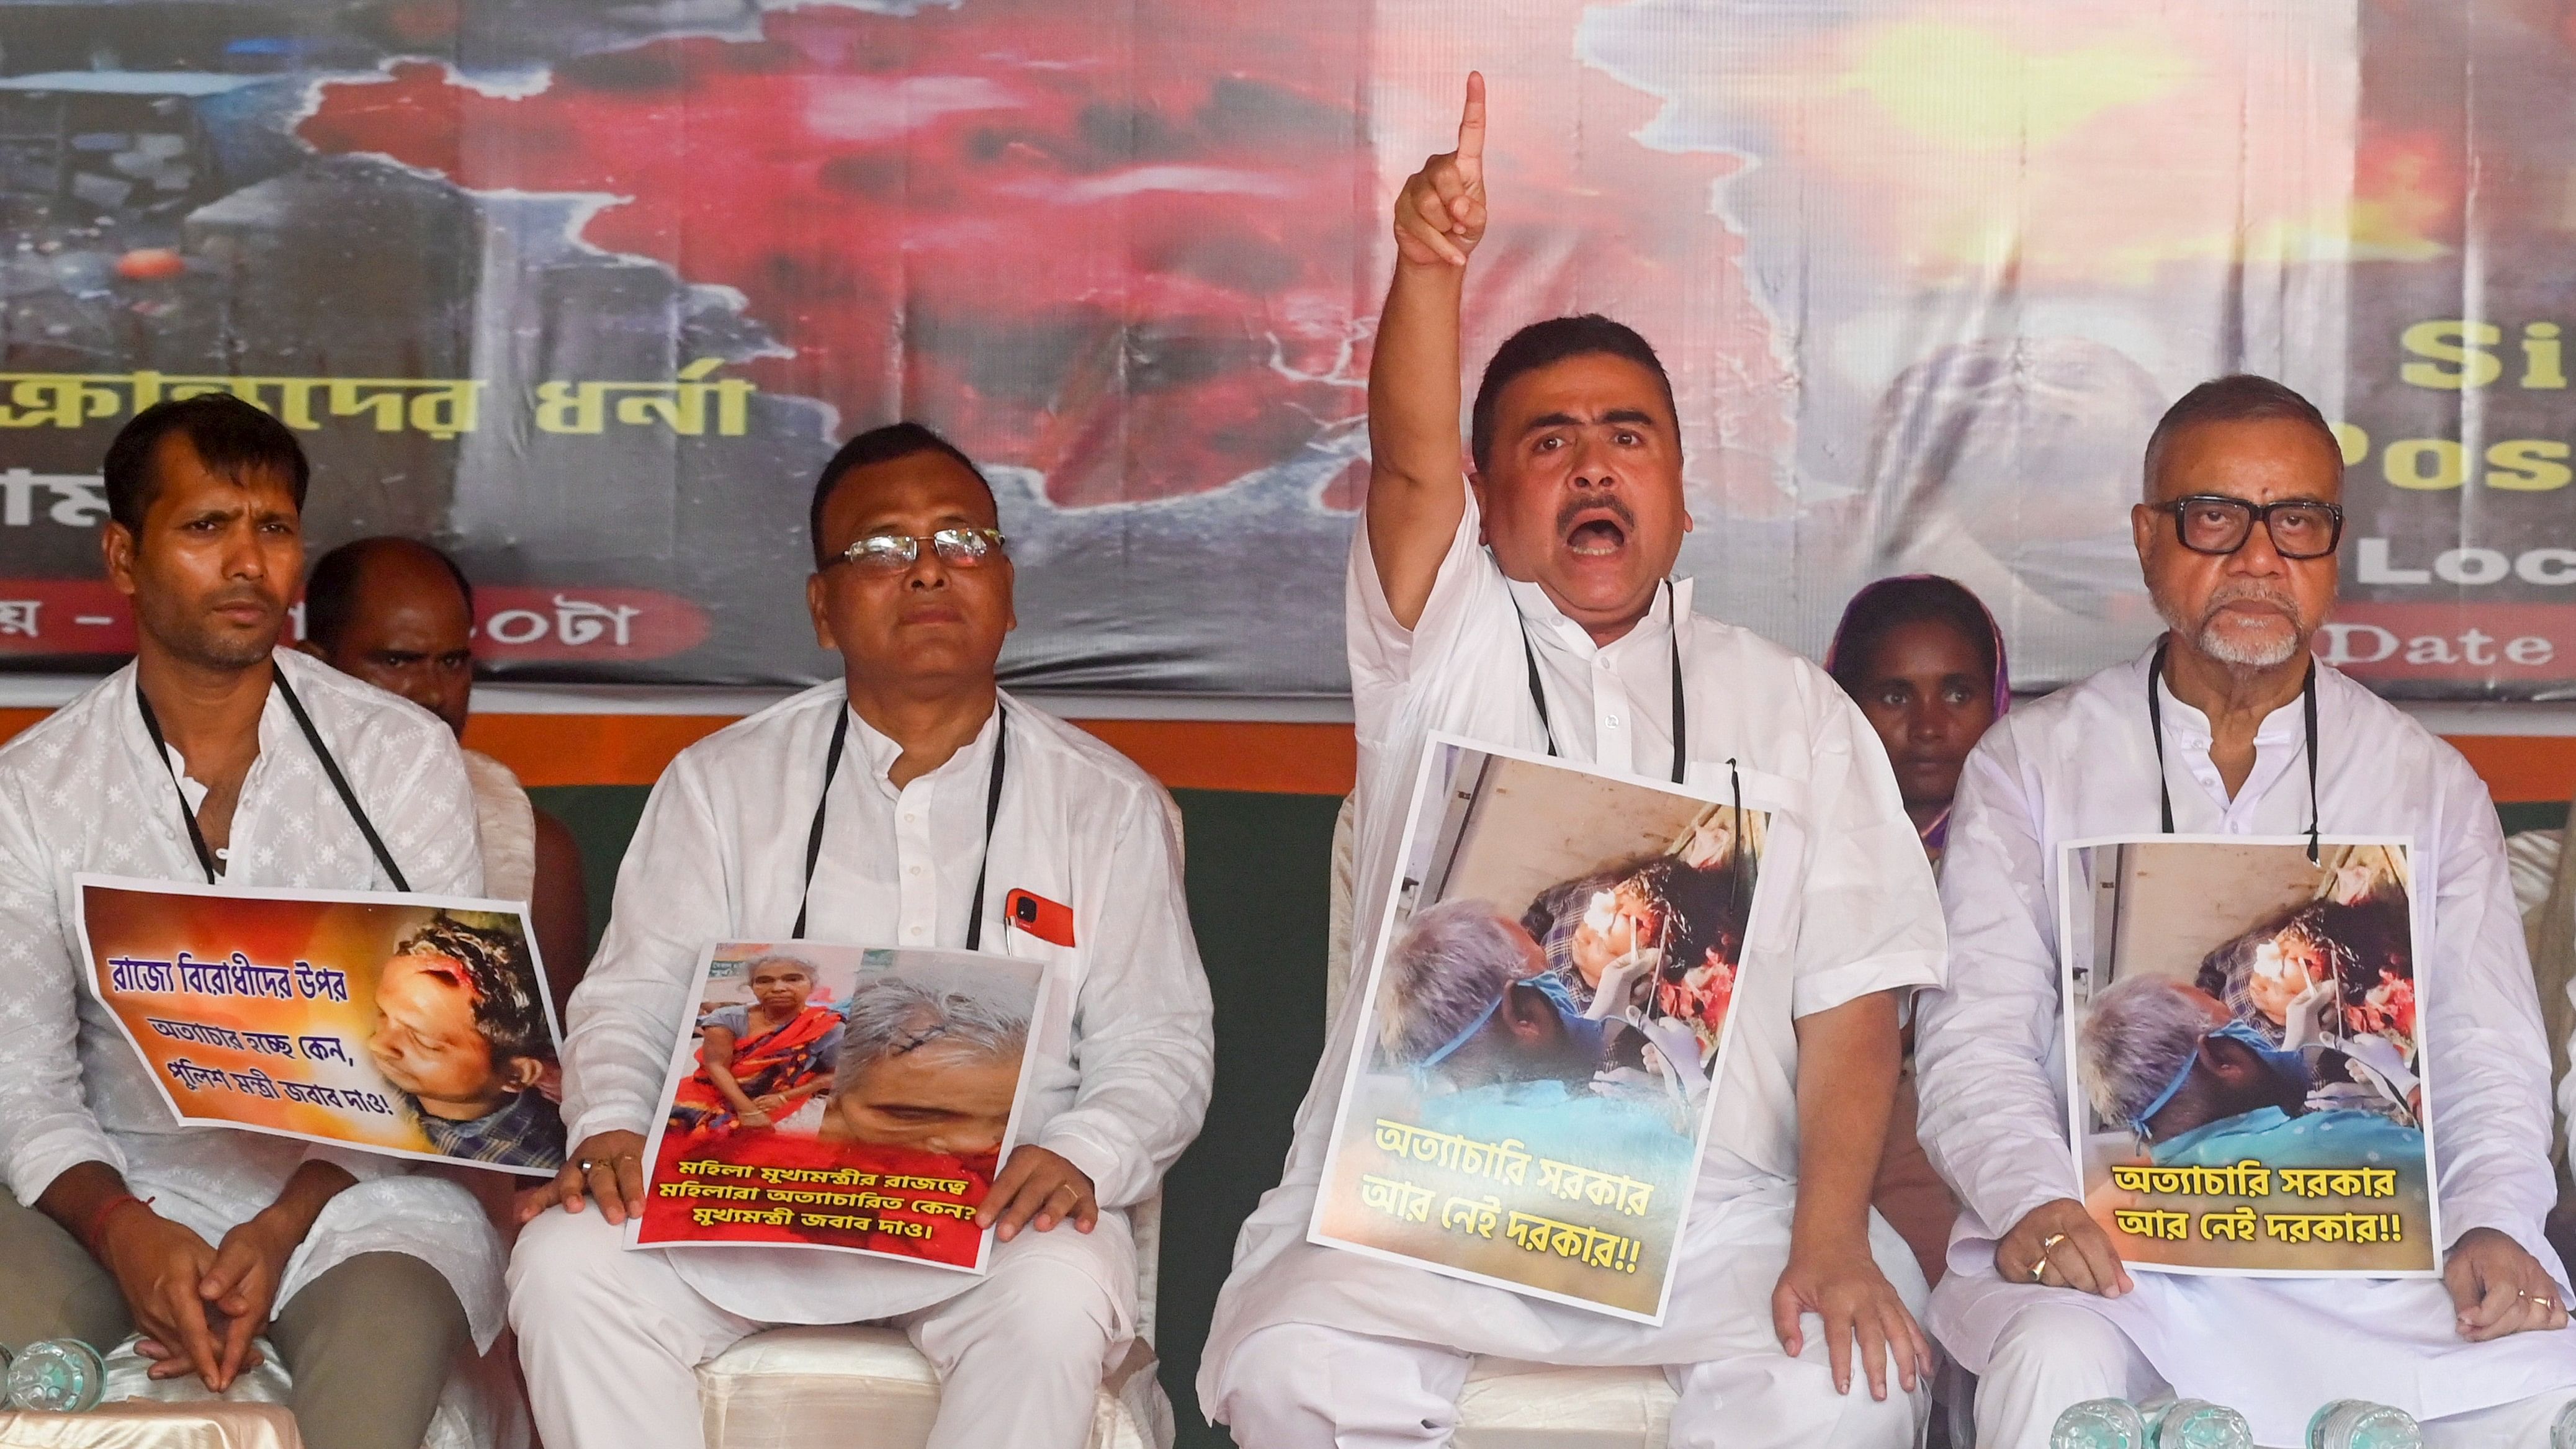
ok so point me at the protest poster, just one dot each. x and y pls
(1545, 1011)
(841, 1097)
(417, 1026)
(2244, 1026)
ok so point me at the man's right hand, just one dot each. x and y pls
(159, 1266)
(2058, 1244)
(1440, 213)
(614, 1175)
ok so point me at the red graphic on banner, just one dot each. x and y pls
(1191, 224)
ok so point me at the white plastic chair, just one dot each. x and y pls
(1508, 1404)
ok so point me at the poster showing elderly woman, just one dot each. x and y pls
(841, 1097)
(2243, 1023)
(1545, 1014)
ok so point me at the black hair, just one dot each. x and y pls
(1544, 344)
(877, 445)
(232, 438)
(331, 590)
(2241, 397)
(1883, 607)
(507, 1008)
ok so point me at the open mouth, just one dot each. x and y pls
(1597, 537)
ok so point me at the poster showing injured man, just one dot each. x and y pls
(1546, 1011)
(841, 1097)
(2243, 1023)
(412, 1025)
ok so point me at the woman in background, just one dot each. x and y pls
(1923, 659)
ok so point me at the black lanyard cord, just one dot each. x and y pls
(322, 752)
(823, 803)
(1681, 709)
(2308, 709)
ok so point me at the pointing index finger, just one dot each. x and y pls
(1471, 130)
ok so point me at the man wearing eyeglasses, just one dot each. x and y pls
(933, 799)
(2236, 534)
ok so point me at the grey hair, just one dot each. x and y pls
(1456, 959)
(2241, 397)
(752, 967)
(893, 1015)
(2136, 1035)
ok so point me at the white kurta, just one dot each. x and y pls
(1125, 1056)
(507, 826)
(1989, 1050)
(84, 791)
(1845, 907)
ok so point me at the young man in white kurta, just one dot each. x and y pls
(83, 791)
(611, 1339)
(1314, 1347)
(190, 765)
(1990, 1054)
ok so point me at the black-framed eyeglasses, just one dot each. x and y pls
(2214, 523)
(892, 553)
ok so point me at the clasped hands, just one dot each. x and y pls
(197, 1307)
(2497, 1288)
(1036, 1187)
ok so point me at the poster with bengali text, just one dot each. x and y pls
(1546, 1012)
(841, 1097)
(2244, 1026)
(412, 1025)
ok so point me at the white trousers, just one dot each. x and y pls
(2053, 1355)
(1303, 1386)
(612, 1340)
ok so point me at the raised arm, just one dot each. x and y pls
(1415, 493)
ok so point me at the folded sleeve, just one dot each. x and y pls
(1384, 655)
(1143, 1028)
(1868, 918)
(2489, 1077)
(1992, 1119)
(46, 1125)
(623, 1020)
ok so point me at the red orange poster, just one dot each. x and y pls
(412, 1025)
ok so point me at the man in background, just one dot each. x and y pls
(399, 614)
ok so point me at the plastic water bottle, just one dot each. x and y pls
(2200, 1424)
(2361, 1424)
(57, 1375)
(2562, 1434)
(2100, 1424)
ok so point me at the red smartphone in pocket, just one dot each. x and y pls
(1040, 917)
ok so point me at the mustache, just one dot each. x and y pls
(2249, 591)
(1609, 503)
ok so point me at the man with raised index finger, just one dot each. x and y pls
(2230, 726)
(1528, 604)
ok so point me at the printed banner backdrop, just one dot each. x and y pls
(588, 293)
(1531, 1092)
(883, 1091)
(412, 1025)
(2244, 1031)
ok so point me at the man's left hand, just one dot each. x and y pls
(1846, 1289)
(2498, 1288)
(1036, 1185)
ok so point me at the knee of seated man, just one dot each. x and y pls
(563, 1259)
(1055, 1312)
(1276, 1375)
(2057, 1333)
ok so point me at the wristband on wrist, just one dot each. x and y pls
(98, 1218)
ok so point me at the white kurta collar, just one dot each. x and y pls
(879, 751)
(1548, 624)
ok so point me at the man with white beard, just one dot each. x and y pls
(2230, 727)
